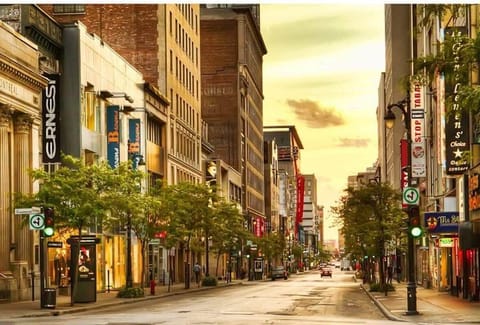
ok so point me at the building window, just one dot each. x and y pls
(90, 111)
(69, 9)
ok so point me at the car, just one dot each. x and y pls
(326, 271)
(279, 272)
(322, 265)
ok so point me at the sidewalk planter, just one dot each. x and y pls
(209, 281)
(131, 293)
(376, 287)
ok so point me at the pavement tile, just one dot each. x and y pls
(104, 299)
(433, 306)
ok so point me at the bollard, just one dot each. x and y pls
(152, 287)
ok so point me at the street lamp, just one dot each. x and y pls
(404, 106)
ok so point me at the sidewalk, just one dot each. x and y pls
(434, 307)
(63, 306)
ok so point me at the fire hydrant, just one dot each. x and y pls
(152, 287)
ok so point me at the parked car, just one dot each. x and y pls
(279, 272)
(326, 271)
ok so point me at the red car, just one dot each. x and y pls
(326, 271)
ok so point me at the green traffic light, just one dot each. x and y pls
(48, 231)
(416, 232)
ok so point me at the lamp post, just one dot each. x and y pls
(404, 106)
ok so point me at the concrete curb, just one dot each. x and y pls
(123, 301)
(382, 308)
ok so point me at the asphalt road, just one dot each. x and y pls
(302, 299)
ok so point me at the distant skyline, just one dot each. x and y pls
(321, 74)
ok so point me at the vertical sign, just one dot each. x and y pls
(134, 141)
(404, 166)
(456, 127)
(417, 114)
(300, 193)
(133, 137)
(50, 121)
(113, 136)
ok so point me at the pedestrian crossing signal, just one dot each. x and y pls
(49, 222)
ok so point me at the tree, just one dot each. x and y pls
(226, 228)
(272, 246)
(126, 207)
(370, 216)
(76, 193)
(186, 207)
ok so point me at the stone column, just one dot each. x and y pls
(23, 234)
(5, 188)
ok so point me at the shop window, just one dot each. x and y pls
(69, 9)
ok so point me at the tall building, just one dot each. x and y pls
(289, 158)
(163, 42)
(232, 97)
(398, 47)
(310, 222)
(21, 105)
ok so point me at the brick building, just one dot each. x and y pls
(232, 97)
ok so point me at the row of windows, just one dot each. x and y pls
(186, 43)
(184, 146)
(188, 14)
(184, 176)
(69, 9)
(187, 113)
(154, 132)
(255, 202)
(184, 76)
(235, 193)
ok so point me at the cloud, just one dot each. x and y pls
(316, 29)
(357, 142)
(315, 116)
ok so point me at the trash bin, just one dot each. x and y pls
(49, 298)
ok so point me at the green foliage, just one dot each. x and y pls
(209, 281)
(272, 245)
(376, 287)
(131, 293)
(369, 216)
(75, 191)
(455, 58)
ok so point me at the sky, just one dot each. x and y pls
(321, 73)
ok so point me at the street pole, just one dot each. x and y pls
(129, 252)
(411, 285)
(42, 269)
(404, 106)
(207, 264)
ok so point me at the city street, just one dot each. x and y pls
(304, 298)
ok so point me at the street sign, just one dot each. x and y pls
(410, 196)
(28, 210)
(55, 244)
(23, 211)
(36, 221)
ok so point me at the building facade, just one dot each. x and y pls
(232, 98)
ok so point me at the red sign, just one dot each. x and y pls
(300, 193)
(404, 166)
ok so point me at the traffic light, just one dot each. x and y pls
(49, 222)
(414, 226)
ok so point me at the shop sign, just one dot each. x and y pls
(442, 222)
(445, 242)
